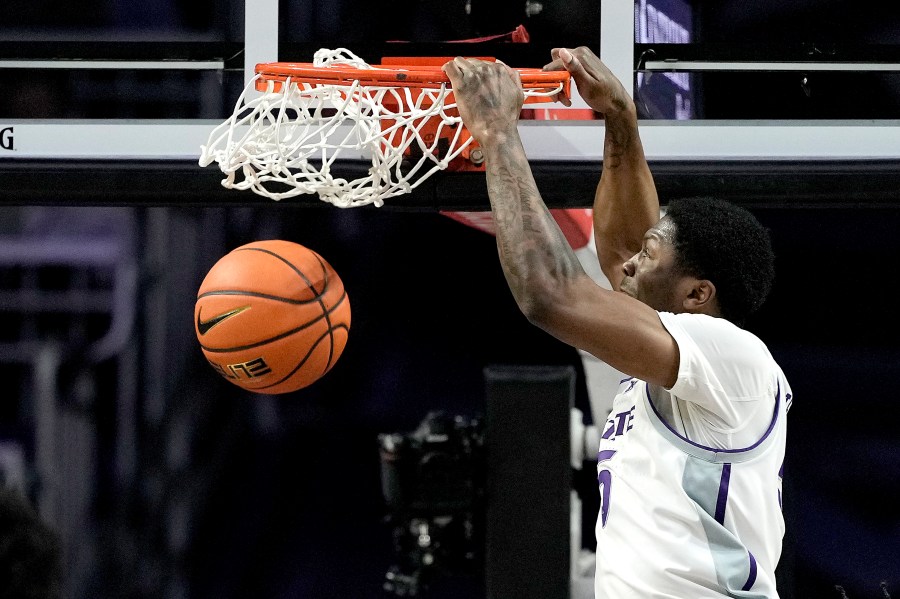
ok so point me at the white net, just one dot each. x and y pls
(287, 140)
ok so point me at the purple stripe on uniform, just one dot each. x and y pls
(722, 500)
(780, 478)
(605, 455)
(714, 449)
(752, 578)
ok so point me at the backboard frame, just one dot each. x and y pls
(685, 143)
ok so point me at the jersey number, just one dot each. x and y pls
(604, 481)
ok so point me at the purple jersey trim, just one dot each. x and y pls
(722, 499)
(731, 453)
(604, 455)
(752, 577)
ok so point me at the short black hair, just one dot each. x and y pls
(30, 551)
(727, 245)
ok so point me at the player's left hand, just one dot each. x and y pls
(488, 95)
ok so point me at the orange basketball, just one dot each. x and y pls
(272, 316)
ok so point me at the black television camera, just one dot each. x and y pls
(433, 485)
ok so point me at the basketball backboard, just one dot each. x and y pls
(116, 93)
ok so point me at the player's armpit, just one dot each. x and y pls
(619, 330)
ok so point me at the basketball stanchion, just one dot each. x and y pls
(295, 121)
(272, 316)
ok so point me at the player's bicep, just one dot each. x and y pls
(618, 329)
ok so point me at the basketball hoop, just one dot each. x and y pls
(400, 117)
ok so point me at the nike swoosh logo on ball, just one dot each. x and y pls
(203, 326)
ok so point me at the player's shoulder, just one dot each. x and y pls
(710, 325)
(721, 357)
(718, 335)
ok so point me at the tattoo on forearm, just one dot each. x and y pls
(528, 239)
(619, 134)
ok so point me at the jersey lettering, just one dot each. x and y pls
(604, 481)
(618, 424)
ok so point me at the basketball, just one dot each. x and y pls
(272, 316)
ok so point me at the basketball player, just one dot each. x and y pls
(690, 459)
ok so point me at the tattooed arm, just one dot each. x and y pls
(626, 204)
(543, 272)
(533, 251)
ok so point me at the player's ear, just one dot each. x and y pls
(701, 297)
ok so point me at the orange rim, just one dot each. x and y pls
(392, 75)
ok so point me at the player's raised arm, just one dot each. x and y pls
(625, 204)
(533, 251)
(542, 270)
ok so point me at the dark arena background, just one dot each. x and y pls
(163, 480)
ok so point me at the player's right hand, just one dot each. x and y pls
(595, 82)
(488, 96)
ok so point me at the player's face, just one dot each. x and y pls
(651, 275)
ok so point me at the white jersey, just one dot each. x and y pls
(690, 478)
